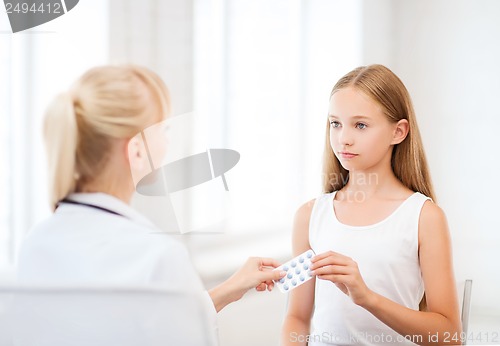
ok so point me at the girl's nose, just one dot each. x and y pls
(345, 137)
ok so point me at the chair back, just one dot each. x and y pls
(103, 316)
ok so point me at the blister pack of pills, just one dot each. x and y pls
(298, 271)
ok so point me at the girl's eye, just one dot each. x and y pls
(361, 126)
(334, 124)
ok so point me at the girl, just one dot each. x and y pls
(94, 236)
(380, 240)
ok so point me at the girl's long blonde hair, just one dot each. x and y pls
(408, 158)
(106, 103)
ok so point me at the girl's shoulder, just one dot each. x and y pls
(303, 213)
(300, 234)
(431, 214)
(432, 221)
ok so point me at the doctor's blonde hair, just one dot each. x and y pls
(408, 161)
(106, 103)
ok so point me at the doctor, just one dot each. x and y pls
(94, 236)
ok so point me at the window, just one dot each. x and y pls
(263, 74)
(5, 159)
(35, 65)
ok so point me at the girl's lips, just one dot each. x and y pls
(347, 155)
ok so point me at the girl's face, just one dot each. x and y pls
(361, 136)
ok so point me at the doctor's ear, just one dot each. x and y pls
(400, 131)
(136, 153)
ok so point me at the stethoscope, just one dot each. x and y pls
(68, 201)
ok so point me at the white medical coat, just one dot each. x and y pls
(83, 245)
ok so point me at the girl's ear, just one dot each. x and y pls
(400, 131)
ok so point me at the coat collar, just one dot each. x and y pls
(108, 202)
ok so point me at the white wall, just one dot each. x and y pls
(447, 54)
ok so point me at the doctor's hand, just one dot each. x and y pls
(257, 272)
(343, 271)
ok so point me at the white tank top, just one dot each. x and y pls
(387, 256)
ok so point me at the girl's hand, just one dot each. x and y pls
(257, 272)
(344, 273)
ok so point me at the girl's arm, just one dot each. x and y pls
(300, 300)
(442, 318)
(440, 324)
